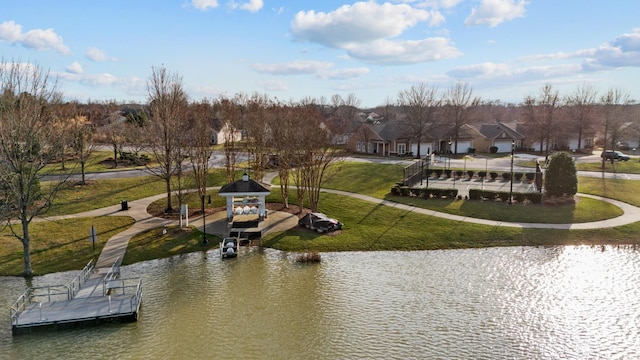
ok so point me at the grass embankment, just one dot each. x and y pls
(367, 226)
(59, 245)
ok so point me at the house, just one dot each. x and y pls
(500, 135)
(225, 133)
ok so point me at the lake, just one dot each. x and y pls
(570, 302)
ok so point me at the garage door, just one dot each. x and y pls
(503, 146)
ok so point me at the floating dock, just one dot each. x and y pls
(91, 298)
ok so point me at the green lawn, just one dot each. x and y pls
(367, 226)
(376, 227)
(59, 245)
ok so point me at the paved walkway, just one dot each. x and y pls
(216, 224)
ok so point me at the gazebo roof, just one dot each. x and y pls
(245, 186)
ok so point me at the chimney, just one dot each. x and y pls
(245, 177)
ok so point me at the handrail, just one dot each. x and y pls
(112, 274)
(77, 282)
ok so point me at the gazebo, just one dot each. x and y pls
(244, 197)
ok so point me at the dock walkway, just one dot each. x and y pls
(91, 297)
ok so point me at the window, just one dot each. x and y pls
(402, 148)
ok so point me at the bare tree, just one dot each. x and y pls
(316, 154)
(201, 121)
(459, 104)
(257, 133)
(420, 105)
(81, 133)
(115, 129)
(60, 129)
(582, 109)
(613, 105)
(25, 148)
(167, 103)
(540, 115)
(229, 114)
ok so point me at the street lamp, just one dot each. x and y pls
(204, 224)
(513, 146)
(428, 161)
(449, 154)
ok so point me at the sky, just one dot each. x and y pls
(503, 50)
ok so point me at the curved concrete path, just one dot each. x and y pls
(115, 248)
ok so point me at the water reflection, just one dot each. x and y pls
(555, 302)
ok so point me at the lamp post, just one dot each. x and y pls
(428, 161)
(421, 171)
(204, 224)
(449, 154)
(513, 146)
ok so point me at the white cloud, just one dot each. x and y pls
(495, 12)
(404, 52)
(97, 55)
(623, 51)
(204, 4)
(341, 74)
(480, 70)
(505, 72)
(293, 68)
(75, 68)
(33, 39)
(98, 79)
(366, 30)
(322, 70)
(252, 5)
(273, 85)
(360, 22)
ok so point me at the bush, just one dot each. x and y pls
(493, 175)
(438, 173)
(448, 173)
(459, 173)
(561, 176)
(471, 150)
(506, 176)
(404, 191)
(493, 149)
(518, 176)
(530, 176)
(470, 173)
(482, 174)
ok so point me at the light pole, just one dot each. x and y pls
(449, 154)
(428, 161)
(513, 146)
(204, 224)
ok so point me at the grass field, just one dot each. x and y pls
(63, 245)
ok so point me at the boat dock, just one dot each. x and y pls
(92, 297)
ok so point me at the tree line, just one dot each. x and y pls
(40, 132)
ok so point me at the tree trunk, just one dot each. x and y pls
(28, 271)
(169, 207)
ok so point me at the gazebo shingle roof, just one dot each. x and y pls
(243, 186)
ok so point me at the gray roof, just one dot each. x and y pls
(245, 186)
(493, 131)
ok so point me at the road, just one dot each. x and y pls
(493, 164)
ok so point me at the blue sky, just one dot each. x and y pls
(504, 49)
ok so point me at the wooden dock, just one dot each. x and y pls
(90, 298)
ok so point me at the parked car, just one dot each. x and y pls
(319, 222)
(614, 155)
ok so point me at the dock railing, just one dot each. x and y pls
(111, 275)
(79, 280)
(42, 294)
(127, 286)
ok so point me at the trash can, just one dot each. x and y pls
(125, 205)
